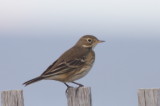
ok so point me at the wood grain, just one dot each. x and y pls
(149, 97)
(12, 98)
(79, 96)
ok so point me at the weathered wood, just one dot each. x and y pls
(149, 97)
(79, 96)
(12, 98)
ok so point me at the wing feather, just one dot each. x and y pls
(64, 67)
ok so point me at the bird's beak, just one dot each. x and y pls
(100, 41)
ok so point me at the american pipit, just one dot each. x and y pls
(72, 65)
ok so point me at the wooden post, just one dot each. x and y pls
(79, 96)
(12, 98)
(149, 97)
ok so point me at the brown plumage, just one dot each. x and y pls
(72, 64)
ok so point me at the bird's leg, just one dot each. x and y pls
(80, 85)
(67, 87)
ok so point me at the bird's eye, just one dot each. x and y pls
(89, 40)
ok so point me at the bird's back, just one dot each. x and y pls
(71, 58)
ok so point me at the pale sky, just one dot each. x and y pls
(104, 17)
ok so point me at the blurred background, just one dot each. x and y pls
(34, 33)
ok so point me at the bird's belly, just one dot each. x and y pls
(71, 76)
(61, 77)
(79, 74)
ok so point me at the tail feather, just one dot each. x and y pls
(33, 80)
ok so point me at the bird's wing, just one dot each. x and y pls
(63, 67)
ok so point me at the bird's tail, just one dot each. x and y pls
(33, 80)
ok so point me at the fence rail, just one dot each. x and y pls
(75, 96)
(149, 97)
(12, 98)
(79, 96)
(82, 97)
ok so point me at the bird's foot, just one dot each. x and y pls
(68, 89)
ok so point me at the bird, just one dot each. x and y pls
(73, 64)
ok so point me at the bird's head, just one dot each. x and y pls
(88, 41)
